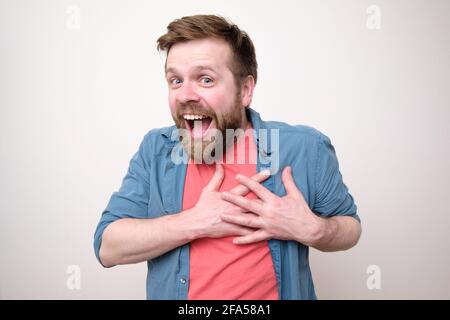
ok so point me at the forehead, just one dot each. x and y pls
(211, 52)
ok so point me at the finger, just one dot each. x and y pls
(289, 184)
(258, 235)
(256, 187)
(244, 219)
(241, 231)
(216, 180)
(242, 190)
(240, 201)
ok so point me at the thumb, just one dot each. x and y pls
(216, 180)
(289, 183)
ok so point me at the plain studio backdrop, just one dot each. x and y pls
(81, 83)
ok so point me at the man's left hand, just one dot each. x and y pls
(283, 218)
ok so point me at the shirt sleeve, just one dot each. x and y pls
(131, 201)
(332, 195)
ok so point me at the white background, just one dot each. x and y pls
(75, 104)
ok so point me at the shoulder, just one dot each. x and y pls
(156, 139)
(298, 133)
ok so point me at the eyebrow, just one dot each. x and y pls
(196, 68)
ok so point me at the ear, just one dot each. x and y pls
(247, 87)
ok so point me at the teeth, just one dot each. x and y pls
(194, 117)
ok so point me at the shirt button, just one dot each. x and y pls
(182, 280)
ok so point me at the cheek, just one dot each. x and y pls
(172, 103)
(219, 101)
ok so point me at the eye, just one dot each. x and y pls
(206, 80)
(175, 82)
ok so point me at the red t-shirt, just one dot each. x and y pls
(220, 269)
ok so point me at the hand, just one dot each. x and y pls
(283, 218)
(205, 216)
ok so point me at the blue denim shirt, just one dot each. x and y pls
(154, 184)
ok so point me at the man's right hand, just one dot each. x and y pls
(131, 240)
(204, 217)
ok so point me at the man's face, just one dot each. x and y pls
(203, 96)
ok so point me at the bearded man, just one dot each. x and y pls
(224, 205)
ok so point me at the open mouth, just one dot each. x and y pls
(198, 125)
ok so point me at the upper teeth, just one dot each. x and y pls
(194, 117)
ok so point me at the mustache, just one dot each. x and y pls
(191, 107)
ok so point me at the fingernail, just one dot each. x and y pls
(265, 172)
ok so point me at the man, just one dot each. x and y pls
(224, 205)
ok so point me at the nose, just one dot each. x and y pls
(187, 93)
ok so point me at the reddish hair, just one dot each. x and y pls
(203, 26)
